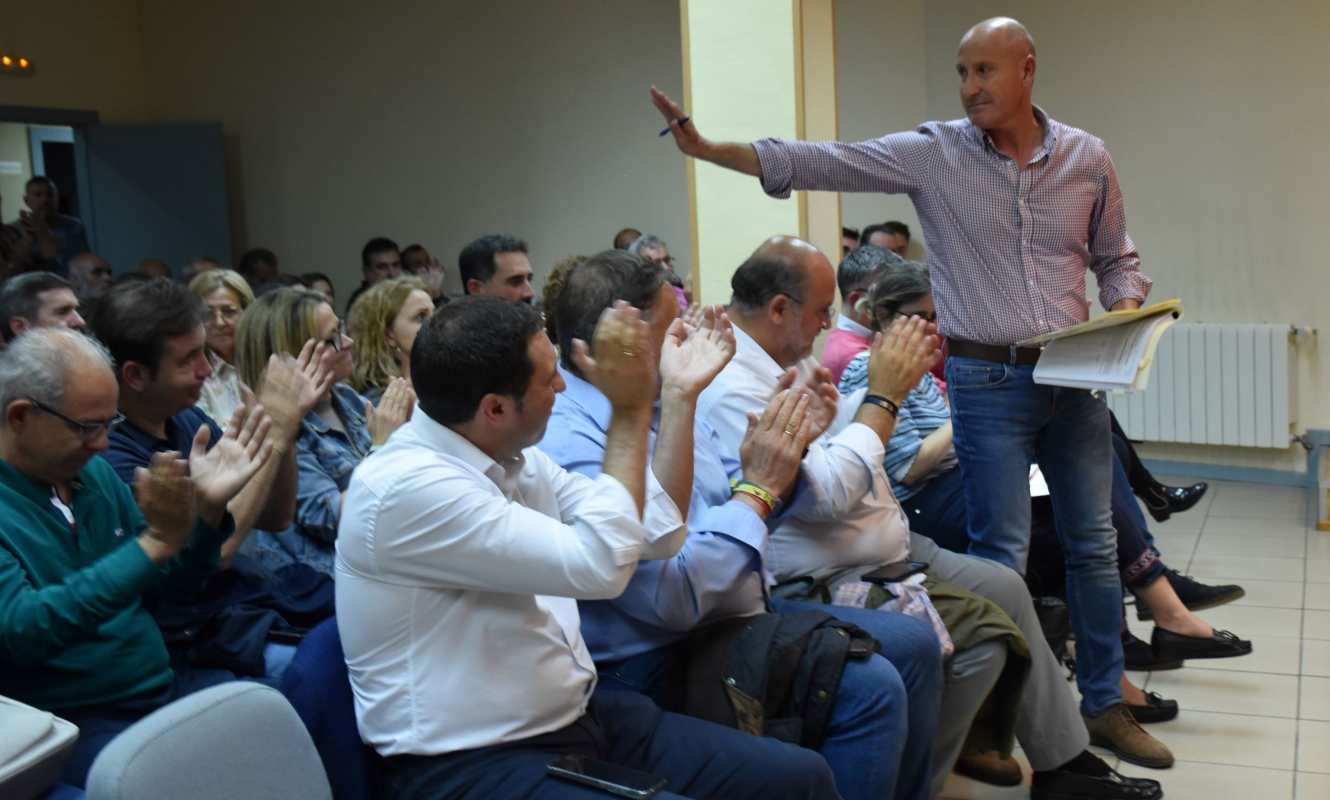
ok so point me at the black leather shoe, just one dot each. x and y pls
(1164, 501)
(1139, 655)
(1156, 709)
(1196, 596)
(1065, 785)
(1167, 645)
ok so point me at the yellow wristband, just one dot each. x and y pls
(748, 487)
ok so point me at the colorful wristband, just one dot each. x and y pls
(771, 501)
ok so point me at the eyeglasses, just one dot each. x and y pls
(336, 339)
(827, 314)
(926, 316)
(86, 431)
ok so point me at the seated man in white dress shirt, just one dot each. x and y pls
(784, 296)
(461, 555)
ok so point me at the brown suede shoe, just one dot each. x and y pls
(989, 767)
(1116, 729)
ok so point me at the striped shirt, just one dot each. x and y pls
(924, 411)
(1007, 247)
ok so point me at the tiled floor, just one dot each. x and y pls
(1251, 727)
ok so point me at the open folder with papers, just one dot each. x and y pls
(1112, 353)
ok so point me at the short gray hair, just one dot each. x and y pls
(647, 242)
(36, 365)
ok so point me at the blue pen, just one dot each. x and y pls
(682, 122)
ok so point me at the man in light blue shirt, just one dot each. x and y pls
(882, 727)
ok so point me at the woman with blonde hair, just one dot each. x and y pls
(384, 321)
(227, 295)
(335, 435)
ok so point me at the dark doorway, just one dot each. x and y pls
(59, 158)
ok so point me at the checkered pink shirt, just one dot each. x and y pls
(1007, 248)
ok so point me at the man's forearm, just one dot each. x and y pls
(881, 421)
(626, 451)
(733, 155)
(932, 450)
(672, 461)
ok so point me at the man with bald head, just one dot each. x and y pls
(1015, 207)
(90, 275)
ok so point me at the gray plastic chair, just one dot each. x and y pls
(34, 746)
(235, 740)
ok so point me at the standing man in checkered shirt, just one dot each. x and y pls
(1015, 206)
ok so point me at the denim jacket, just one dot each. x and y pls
(325, 458)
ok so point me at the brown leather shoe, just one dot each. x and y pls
(989, 767)
(1116, 729)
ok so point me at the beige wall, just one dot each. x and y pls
(86, 55)
(430, 122)
(1216, 117)
(14, 147)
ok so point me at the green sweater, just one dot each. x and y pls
(73, 629)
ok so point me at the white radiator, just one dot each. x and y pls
(1215, 384)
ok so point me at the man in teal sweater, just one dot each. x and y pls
(78, 555)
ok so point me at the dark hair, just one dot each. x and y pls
(379, 244)
(764, 276)
(42, 179)
(844, 232)
(472, 347)
(250, 259)
(899, 283)
(626, 237)
(18, 297)
(892, 227)
(592, 287)
(411, 248)
(863, 264)
(135, 319)
(477, 259)
(281, 281)
(307, 280)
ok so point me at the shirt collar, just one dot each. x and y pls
(1046, 122)
(33, 489)
(451, 443)
(582, 394)
(220, 367)
(844, 323)
(748, 351)
(341, 406)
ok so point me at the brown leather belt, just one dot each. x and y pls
(993, 352)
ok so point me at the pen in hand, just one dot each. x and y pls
(682, 122)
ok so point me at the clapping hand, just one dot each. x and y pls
(393, 410)
(691, 357)
(220, 472)
(293, 386)
(623, 368)
(774, 445)
(900, 356)
(165, 494)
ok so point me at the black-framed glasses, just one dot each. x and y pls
(926, 316)
(85, 430)
(828, 313)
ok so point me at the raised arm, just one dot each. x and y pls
(737, 156)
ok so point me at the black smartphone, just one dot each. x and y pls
(895, 572)
(603, 775)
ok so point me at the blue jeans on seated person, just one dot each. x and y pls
(880, 737)
(1003, 422)
(698, 758)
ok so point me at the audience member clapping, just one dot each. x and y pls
(497, 265)
(384, 324)
(335, 433)
(226, 296)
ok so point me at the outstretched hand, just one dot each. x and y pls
(691, 357)
(690, 142)
(623, 368)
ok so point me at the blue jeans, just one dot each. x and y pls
(913, 658)
(1003, 422)
(698, 758)
(880, 736)
(938, 511)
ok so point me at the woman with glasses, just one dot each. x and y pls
(227, 295)
(928, 482)
(335, 435)
(384, 322)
